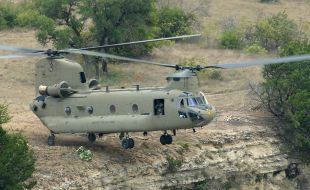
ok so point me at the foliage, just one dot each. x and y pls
(202, 185)
(16, 159)
(4, 114)
(230, 39)
(116, 21)
(286, 92)
(174, 22)
(273, 32)
(255, 48)
(84, 154)
(173, 164)
(7, 16)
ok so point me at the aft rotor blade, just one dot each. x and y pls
(105, 55)
(19, 49)
(261, 62)
(142, 41)
(21, 56)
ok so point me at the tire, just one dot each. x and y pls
(92, 137)
(131, 143)
(168, 139)
(163, 139)
(125, 143)
(51, 140)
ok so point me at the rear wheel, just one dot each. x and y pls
(51, 140)
(128, 143)
(91, 137)
(166, 139)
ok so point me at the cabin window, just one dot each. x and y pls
(159, 107)
(82, 77)
(68, 110)
(135, 108)
(90, 109)
(112, 109)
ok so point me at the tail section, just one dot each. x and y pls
(50, 71)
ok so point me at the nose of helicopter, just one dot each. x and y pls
(208, 114)
(201, 115)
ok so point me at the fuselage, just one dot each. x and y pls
(123, 110)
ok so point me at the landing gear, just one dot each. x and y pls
(166, 139)
(91, 137)
(51, 140)
(127, 142)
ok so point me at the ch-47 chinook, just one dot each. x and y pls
(67, 103)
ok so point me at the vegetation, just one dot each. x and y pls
(16, 159)
(173, 164)
(84, 154)
(174, 22)
(268, 33)
(286, 93)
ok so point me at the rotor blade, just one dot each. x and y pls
(20, 56)
(105, 55)
(19, 49)
(139, 42)
(261, 62)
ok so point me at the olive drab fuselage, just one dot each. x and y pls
(81, 109)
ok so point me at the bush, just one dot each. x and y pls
(173, 164)
(255, 48)
(4, 114)
(16, 159)
(230, 40)
(273, 32)
(7, 16)
(174, 22)
(286, 93)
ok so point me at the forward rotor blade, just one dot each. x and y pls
(105, 55)
(143, 41)
(19, 49)
(261, 62)
(21, 56)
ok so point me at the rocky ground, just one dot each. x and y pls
(240, 149)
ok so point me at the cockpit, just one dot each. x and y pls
(189, 100)
(196, 107)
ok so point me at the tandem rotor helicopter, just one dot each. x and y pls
(67, 103)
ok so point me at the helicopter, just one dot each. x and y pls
(66, 102)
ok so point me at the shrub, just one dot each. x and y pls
(255, 48)
(173, 164)
(16, 159)
(4, 114)
(286, 93)
(230, 40)
(273, 32)
(174, 22)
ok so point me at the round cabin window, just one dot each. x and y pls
(68, 110)
(135, 108)
(90, 109)
(112, 109)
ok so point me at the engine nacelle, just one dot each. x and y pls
(61, 90)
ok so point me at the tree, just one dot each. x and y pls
(286, 92)
(16, 159)
(174, 22)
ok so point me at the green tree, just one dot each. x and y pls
(286, 92)
(16, 159)
(274, 31)
(174, 22)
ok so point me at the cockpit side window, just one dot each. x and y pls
(192, 101)
(201, 100)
